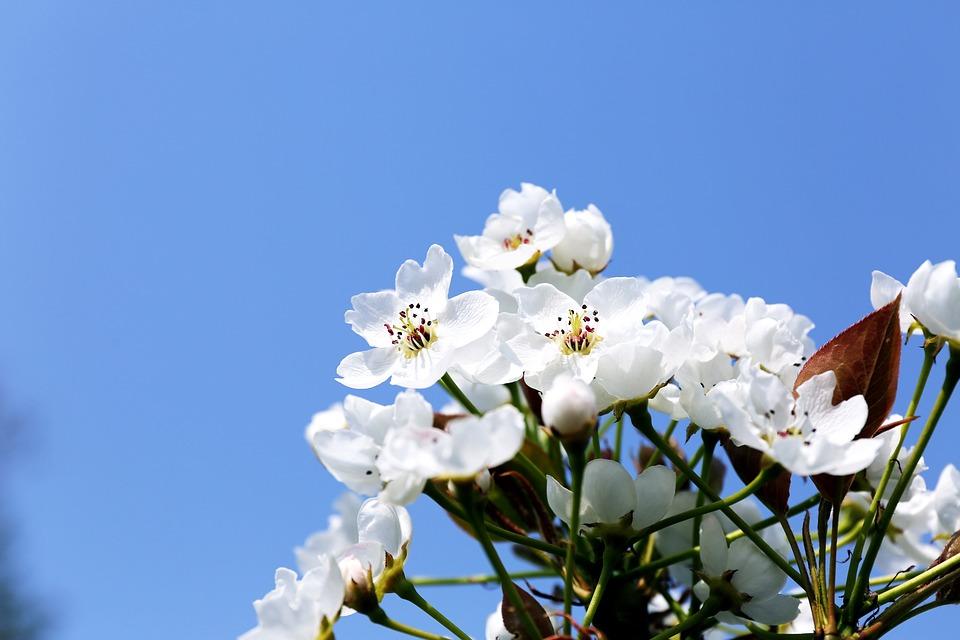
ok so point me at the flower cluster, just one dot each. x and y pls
(544, 364)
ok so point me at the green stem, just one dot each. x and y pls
(379, 616)
(798, 556)
(709, 443)
(425, 581)
(451, 387)
(918, 580)
(408, 592)
(618, 440)
(951, 376)
(929, 356)
(475, 515)
(575, 454)
(641, 420)
(610, 555)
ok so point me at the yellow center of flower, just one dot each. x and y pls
(517, 240)
(580, 333)
(414, 331)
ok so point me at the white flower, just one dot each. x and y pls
(569, 338)
(467, 447)
(415, 331)
(351, 453)
(932, 296)
(570, 409)
(529, 222)
(587, 244)
(613, 502)
(808, 435)
(755, 580)
(295, 609)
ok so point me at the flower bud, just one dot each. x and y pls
(360, 567)
(587, 244)
(570, 410)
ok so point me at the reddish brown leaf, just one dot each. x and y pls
(866, 360)
(775, 494)
(511, 617)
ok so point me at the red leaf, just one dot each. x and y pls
(866, 360)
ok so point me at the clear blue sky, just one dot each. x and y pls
(189, 195)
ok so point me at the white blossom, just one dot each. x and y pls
(751, 574)
(529, 222)
(808, 435)
(415, 331)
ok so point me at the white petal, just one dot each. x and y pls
(371, 311)
(323, 585)
(779, 609)
(560, 499)
(542, 305)
(367, 369)
(380, 522)
(467, 317)
(655, 488)
(505, 429)
(631, 371)
(755, 574)
(621, 305)
(428, 284)
(713, 546)
(609, 490)
(883, 289)
(350, 457)
(425, 368)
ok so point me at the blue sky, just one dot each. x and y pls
(190, 194)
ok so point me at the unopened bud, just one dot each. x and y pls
(587, 244)
(570, 410)
(357, 571)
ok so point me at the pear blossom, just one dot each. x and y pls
(746, 582)
(587, 244)
(341, 532)
(503, 284)
(351, 449)
(807, 435)
(931, 297)
(612, 502)
(529, 222)
(296, 608)
(415, 331)
(567, 338)
(877, 468)
(467, 447)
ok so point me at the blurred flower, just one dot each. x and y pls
(931, 297)
(295, 609)
(612, 502)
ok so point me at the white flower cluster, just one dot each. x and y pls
(550, 321)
